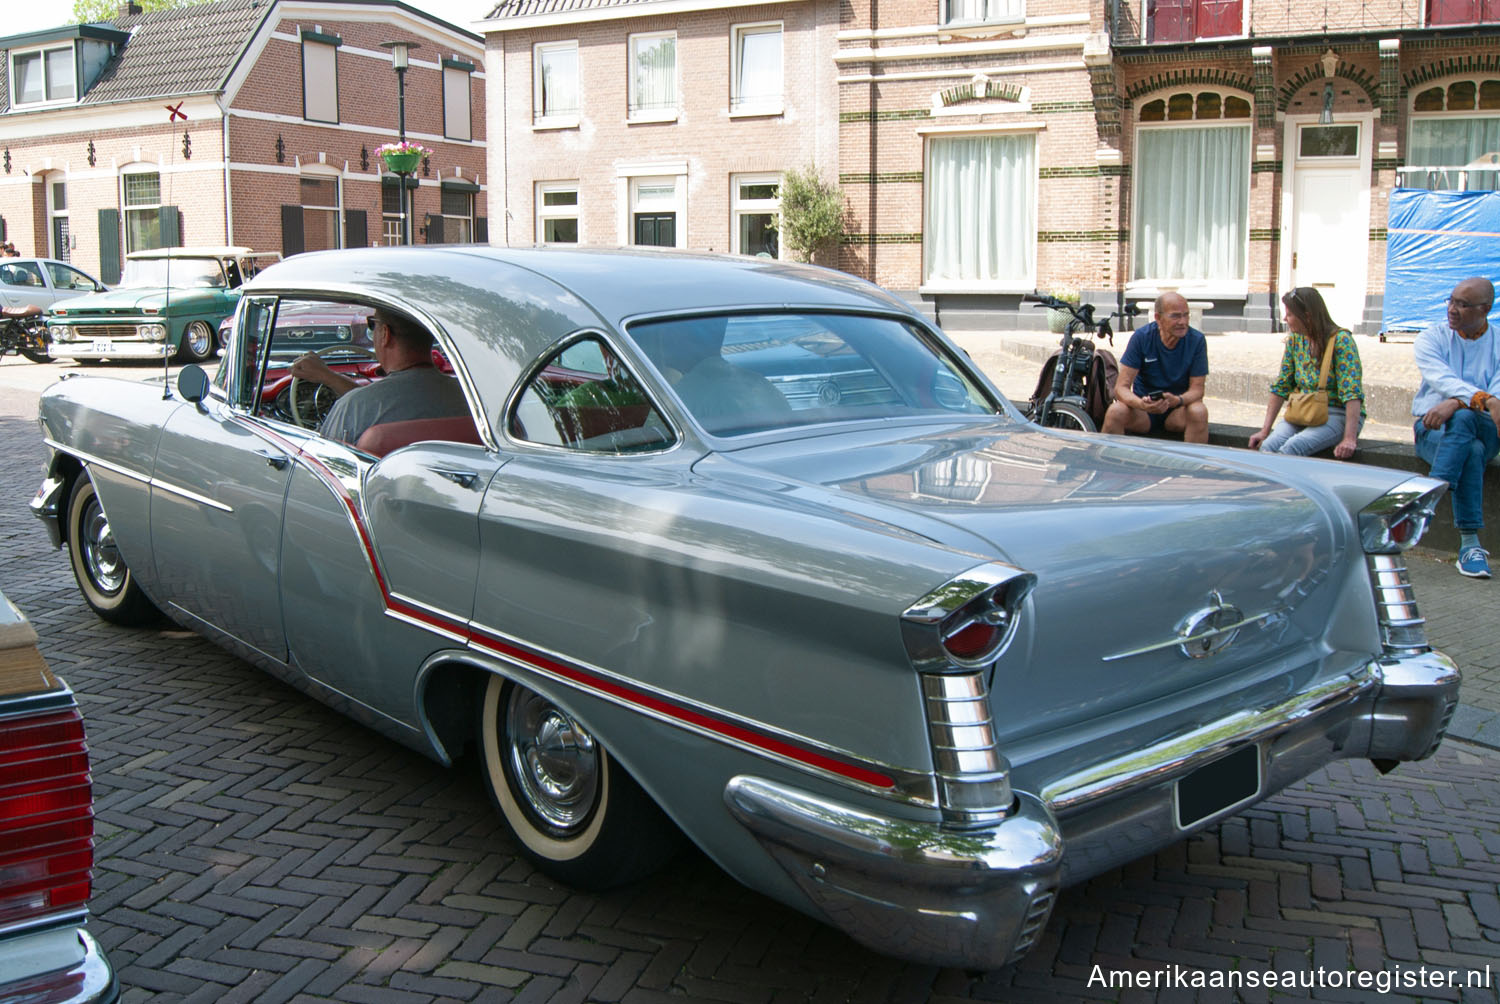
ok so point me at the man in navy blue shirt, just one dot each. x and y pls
(1161, 377)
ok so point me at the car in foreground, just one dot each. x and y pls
(169, 303)
(883, 650)
(46, 832)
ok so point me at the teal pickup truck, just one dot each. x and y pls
(169, 302)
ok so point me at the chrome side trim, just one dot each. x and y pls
(145, 479)
(1403, 629)
(973, 778)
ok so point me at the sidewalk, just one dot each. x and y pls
(1241, 366)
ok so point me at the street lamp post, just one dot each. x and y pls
(400, 61)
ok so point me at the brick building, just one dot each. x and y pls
(640, 122)
(1230, 149)
(243, 122)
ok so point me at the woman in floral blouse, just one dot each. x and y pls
(1311, 327)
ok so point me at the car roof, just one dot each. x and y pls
(197, 252)
(504, 306)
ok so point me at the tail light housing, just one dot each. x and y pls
(46, 815)
(1397, 520)
(953, 635)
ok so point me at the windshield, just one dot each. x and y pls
(178, 273)
(743, 373)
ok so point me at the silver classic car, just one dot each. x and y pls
(750, 552)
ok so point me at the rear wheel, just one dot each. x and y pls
(197, 343)
(103, 578)
(1069, 416)
(578, 816)
(36, 355)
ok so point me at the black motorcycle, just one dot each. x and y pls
(24, 330)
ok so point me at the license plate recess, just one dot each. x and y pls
(1215, 787)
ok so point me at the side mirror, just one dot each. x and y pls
(192, 384)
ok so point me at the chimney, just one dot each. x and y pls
(129, 8)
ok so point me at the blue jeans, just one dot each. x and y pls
(1458, 453)
(1304, 441)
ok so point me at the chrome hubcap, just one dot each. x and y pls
(199, 337)
(554, 761)
(100, 555)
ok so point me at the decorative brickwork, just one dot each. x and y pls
(1313, 73)
(883, 178)
(980, 90)
(1083, 236)
(1378, 234)
(1487, 62)
(1387, 163)
(1390, 83)
(1265, 89)
(1189, 78)
(1265, 167)
(1106, 99)
(882, 239)
(1090, 171)
(898, 115)
(1265, 234)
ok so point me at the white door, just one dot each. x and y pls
(1330, 217)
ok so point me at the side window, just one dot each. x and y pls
(21, 274)
(585, 399)
(64, 277)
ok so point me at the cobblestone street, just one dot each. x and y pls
(255, 845)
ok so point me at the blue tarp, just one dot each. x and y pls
(1435, 240)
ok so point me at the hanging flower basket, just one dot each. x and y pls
(403, 158)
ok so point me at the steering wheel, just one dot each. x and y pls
(308, 414)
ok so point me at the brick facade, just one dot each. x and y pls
(271, 143)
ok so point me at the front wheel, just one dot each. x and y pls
(197, 343)
(36, 355)
(103, 578)
(577, 814)
(1066, 415)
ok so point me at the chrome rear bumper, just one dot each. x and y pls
(978, 898)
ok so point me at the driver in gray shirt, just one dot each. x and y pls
(412, 388)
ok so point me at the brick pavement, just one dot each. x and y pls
(253, 845)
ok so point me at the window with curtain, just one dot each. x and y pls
(556, 82)
(757, 74)
(142, 202)
(457, 205)
(43, 76)
(1192, 197)
(978, 11)
(1455, 125)
(653, 75)
(320, 213)
(980, 209)
(756, 201)
(320, 81)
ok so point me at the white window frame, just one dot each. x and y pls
(458, 114)
(739, 104)
(546, 213)
(632, 178)
(1013, 11)
(566, 118)
(635, 113)
(126, 208)
(1012, 284)
(1151, 286)
(337, 209)
(320, 80)
(65, 252)
(47, 97)
(740, 206)
(1413, 117)
(390, 223)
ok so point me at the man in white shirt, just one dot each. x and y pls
(1457, 410)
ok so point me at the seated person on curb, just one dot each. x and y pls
(1457, 425)
(1313, 334)
(1162, 374)
(411, 389)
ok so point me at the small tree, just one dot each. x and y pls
(93, 11)
(812, 213)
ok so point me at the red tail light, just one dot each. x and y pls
(46, 815)
(973, 641)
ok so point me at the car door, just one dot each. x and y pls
(216, 513)
(68, 282)
(22, 284)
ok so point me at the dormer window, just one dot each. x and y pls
(43, 76)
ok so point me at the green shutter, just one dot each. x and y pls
(109, 246)
(482, 230)
(356, 230)
(169, 218)
(434, 229)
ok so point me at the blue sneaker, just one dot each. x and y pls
(1471, 562)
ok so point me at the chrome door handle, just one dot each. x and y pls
(463, 478)
(276, 460)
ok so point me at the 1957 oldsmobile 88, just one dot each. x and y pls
(749, 551)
